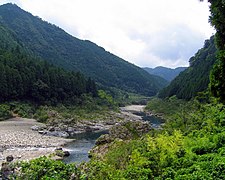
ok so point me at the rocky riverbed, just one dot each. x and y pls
(27, 139)
(68, 127)
(18, 139)
(123, 131)
(136, 123)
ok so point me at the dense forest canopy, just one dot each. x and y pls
(24, 77)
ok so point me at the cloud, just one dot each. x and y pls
(144, 32)
(175, 42)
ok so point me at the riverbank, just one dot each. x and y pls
(70, 127)
(28, 139)
(18, 139)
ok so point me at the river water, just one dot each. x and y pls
(84, 142)
(79, 148)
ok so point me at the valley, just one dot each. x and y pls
(69, 109)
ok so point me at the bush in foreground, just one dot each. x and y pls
(45, 168)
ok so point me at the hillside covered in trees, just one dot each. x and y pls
(196, 77)
(54, 45)
(189, 145)
(24, 77)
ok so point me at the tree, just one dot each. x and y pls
(3, 84)
(217, 19)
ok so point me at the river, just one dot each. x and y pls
(84, 142)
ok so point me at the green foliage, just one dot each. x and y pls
(123, 98)
(190, 146)
(41, 114)
(98, 170)
(45, 168)
(57, 47)
(217, 19)
(89, 109)
(196, 77)
(26, 78)
(123, 153)
(22, 109)
(188, 116)
(106, 99)
(141, 159)
(15, 108)
(168, 107)
(5, 112)
(217, 84)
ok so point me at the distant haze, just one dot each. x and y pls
(166, 73)
(146, 33)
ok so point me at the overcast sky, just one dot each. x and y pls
(147, 33)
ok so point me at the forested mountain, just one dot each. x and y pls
(24, 77)
(166, 73)
(196, 77)
(53, 44)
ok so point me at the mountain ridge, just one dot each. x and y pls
(27, 78)
(166, 73)
(54, 45)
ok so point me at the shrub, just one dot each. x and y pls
(5, 112)
(45, 168)
(41, 114)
